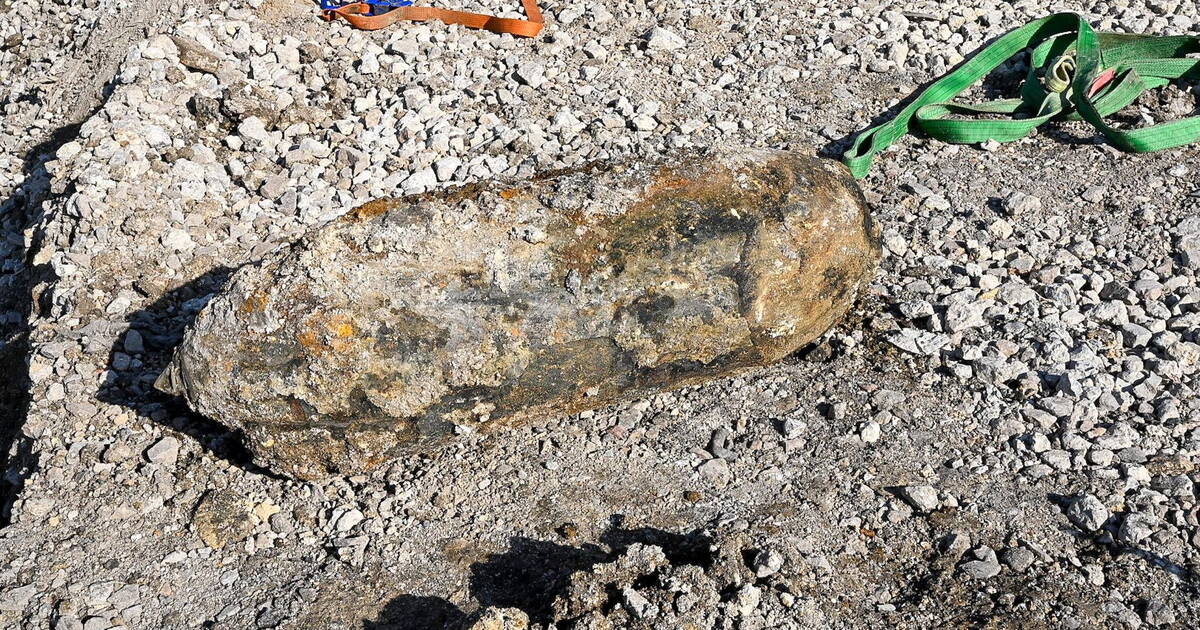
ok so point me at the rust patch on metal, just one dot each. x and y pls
(255, 303)
(311, 342)
(372, 209)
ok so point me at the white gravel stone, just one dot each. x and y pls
(923, 498)
(1087, 513)
(660, 38)
(870, 432)
(164, 452)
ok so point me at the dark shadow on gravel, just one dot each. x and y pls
(534, 573)
(693, 548)
(410, 612)
(18, 278)
(531, 575)
(160, 328)
(16, 457)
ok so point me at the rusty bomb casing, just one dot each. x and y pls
(408, 320)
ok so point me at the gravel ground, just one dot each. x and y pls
(1005, 432)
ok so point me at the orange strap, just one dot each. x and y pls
(358, 15)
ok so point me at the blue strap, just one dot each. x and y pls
(330, 5)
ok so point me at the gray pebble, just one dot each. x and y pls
(164, 452)
(1019, 203)
(1136, 528)
(1087, 513)
(1019, 559)
(923, 498)
(15, 599)
(983, 565)
(766, 562)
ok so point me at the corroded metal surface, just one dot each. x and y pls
(409, 319)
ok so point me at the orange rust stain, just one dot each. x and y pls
(668, 179)
(339, 325)
(309, 340)
(372, 209)
(670, 183)
(334, 333)
(510, 193)
(256, 303)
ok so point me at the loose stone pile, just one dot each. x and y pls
(1005, 429)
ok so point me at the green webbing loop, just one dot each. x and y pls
(1061, 72)
(1075, 74)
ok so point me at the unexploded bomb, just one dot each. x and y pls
(411, 319)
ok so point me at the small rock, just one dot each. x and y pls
(984, 566)
(919, 342)
(1188, 249)
(134, 343)
(960, 317)
(117, 452)
(1001, 229)
(1019, 203)
(715, 471)
(1094, 194)
(68, 622)
(660, 38)
(349, 520)
(196, 57)
(766, 562)
(531, 73)
(445, 168)
(253, 128)
(1136, 528)
(15, 599)
(164, 452)
(422, 180)
(501, 619)
(177, 240)
(637, 603)
(273, 187)
(924, 498)
(1135, 335)
(281, 524)
(1019, 559)
(792, 428)
(718, 445)
(265, 510)
(1087, 513)
(158, 47)
(747, 599)
(1158, 614)
(954, 544)
(222, 517)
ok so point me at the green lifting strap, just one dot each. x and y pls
(1075, 73)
